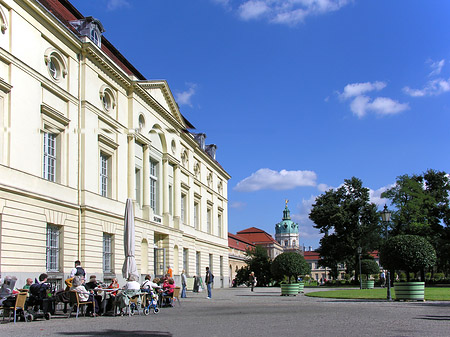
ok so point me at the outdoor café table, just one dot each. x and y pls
(106, 294)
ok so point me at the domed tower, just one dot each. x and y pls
(286, 231)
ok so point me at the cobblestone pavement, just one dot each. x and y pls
(240, 312)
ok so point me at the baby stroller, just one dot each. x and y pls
(39, 304)
(152, 303)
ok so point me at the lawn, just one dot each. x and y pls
(431, 294)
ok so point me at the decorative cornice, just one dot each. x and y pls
(54, 114)
(108, 141)
(152, 102)
(162, 84)
(96, 54)
(5, 86)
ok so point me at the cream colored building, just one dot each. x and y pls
(81, 131)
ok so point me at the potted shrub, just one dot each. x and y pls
(410, 253)
(368, 267)
(290, 265)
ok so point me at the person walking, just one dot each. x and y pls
(183, 284)
(209, 279)
(252, 280)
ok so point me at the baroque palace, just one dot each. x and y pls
(81, 131)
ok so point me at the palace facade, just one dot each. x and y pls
(81, 131)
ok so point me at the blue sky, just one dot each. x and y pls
(298, 95)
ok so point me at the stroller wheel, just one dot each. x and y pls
(146, 311)
(29, 318)
(155, 311)
(48, 316)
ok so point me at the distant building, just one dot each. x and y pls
(258, 237)
(237, 246)
(286, 232)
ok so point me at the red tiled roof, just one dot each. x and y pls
(311, 255)
(240, 243)
(256, 236)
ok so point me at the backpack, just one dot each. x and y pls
(211, 277)
(80, 272)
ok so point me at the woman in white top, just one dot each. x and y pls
(132, 283)
(148, 284)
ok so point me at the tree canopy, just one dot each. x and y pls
(289, 264)
(349, 220)
(422, 207)
(410, 253)
(259, 262)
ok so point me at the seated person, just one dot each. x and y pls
(28, 284)
(168, 289)
(132, 283)
(84, 295)
(110, 297)
(149, 285)
(114, 285)
(92, 284)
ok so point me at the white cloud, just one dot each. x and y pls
(290, 12)
(184, 97)
(252, 9)
(432, 88)
(115, 4)
(266, 179)
(375, 195)
(324, 187)
(361, 103)
(237, 204)
(357, 89)
(436, 67)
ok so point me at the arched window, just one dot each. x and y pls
(56, 64)
(108, 98)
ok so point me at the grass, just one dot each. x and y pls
(431, 294)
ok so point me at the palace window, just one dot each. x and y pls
(154, 191)
(107, 253)
(52, 247)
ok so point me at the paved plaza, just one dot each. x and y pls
(239, 312)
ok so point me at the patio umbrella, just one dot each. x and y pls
(129, 265)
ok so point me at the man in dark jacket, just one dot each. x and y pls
(209, 279)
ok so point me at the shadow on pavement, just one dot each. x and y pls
(110, 332)
(435, 318)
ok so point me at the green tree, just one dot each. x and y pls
(369, 267)
(410, 253)
(289, 264)
(242, 275)
(422, 207)
(349, 220)
(259, 262)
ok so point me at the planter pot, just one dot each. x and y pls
(368, 284)
(289, 289)
(301, 287)
(414, 291)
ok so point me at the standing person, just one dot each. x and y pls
(252, 280)
(78, 270)
(183, 284)
(209, 279)
(169, 272)
(383, 279)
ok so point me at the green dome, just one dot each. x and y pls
(286, 226)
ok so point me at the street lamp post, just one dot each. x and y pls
(386, 218)
(359, 256)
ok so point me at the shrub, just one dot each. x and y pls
(369, 267)
(410, 253)
(289, 265)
